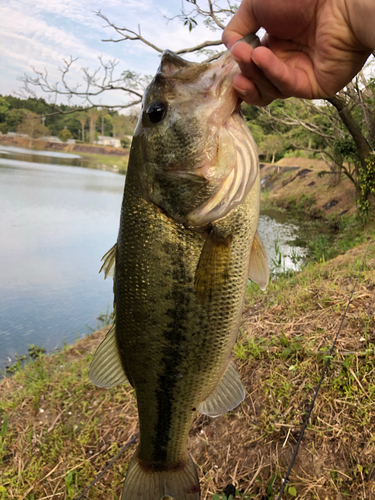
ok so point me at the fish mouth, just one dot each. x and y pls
(227, 69)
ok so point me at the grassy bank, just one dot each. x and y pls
(117, 164)
(59, 431)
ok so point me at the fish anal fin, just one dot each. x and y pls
(258, 264)
(213, 266)
(229, 393)
(146, 482)
(106, 369)
(109, 263)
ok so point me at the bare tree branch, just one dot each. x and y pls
(95, 84)
(126, 34)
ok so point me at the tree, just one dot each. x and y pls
(31, 125)
(271, 145)
(93, 114)
(82, 118)
(98, 82)
(65, 135)
(102, 114)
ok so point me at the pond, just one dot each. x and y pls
(57, 221)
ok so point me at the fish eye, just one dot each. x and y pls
(156, 111)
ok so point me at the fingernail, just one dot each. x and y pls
(241, 91)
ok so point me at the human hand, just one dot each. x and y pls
(312, 48)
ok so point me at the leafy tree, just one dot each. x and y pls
(82, 118)
(31, 125)
(4, 105)
(65, 135)
(93, 114)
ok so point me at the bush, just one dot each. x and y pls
(125, 143)
(366, 183)
(65, 135)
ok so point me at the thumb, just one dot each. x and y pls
(242, 23)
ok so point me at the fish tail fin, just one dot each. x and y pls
(147, 483)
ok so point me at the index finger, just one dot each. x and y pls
(242, 23)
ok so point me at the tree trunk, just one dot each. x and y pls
(83, 132)
(92, 129)
(363, 147)
(336, 168)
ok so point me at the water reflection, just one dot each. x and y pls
(276, 227)
(56, 223)
(41, 157)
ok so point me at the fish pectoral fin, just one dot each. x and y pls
(258, 264)
(144, 482)
(106, 369)
(109, 263)
(229, 393)
(213, 266)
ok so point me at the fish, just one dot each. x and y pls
(186, 246)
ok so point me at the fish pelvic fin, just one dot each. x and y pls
(106, 368)
(109, 262)
(258, 264)
(228, 394)
(213, 266)
(145, 482)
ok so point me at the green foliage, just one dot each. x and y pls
(125, 143)
(65, 135)
(3, 432)
(366, 183)
(4, 105)
(35, 351)
(14, 110)
(345, 147)
(191, 22)
(31, 125)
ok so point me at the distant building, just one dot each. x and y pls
(51, 138)
(105, 140)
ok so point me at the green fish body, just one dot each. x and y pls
(187, 244)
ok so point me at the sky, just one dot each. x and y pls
(42, 34)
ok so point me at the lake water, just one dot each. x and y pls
(56, 222)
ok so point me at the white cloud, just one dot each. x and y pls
(42, 34)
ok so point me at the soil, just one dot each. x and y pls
(291, 180)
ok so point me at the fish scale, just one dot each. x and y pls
(174, 333)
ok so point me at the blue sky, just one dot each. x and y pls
(43, 33)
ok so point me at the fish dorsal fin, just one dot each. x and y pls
(258, 264)
(229, 393)
(109, 263)
(213, 266)
(106, 369)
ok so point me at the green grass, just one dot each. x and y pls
(120, 163)
(58, 431)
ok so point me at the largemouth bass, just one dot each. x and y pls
(187, 244)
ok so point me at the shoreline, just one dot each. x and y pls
(97, 157)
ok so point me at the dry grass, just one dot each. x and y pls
(288, 187)
(55, 453)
